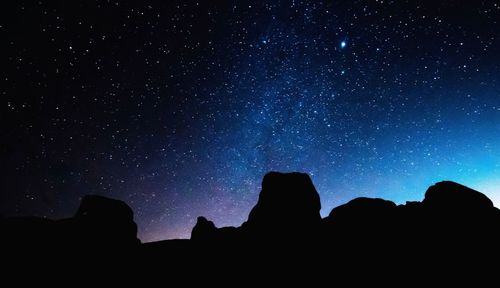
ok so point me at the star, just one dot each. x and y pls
(180, 112)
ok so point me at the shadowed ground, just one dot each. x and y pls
(454, 227)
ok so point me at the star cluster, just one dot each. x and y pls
(180, 108)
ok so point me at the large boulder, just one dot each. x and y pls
(101, 221)
(363, 210)
(453, 211)
(288, 204)
(448, 195)
(204, 230)
(361, 219)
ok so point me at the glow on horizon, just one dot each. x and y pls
(396, 190)
(490, 188)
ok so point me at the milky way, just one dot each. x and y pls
(179, 109)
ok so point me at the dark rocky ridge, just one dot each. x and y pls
(99, 222)
(288, 208)
(454, 226)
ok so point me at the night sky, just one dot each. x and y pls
(179, 109)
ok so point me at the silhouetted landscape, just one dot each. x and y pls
(452, 223)
(134, 131)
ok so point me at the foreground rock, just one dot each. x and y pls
(453, 227)
(99, 223)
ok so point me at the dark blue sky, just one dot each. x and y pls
(179, 109)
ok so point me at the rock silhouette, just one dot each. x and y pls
(99, 223)
(449, 196)
(204, 230)
(361, 218)
(288, 206)
(284, 229)
(103, 221)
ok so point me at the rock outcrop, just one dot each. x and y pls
(99, 223)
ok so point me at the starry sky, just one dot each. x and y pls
(180, 108)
